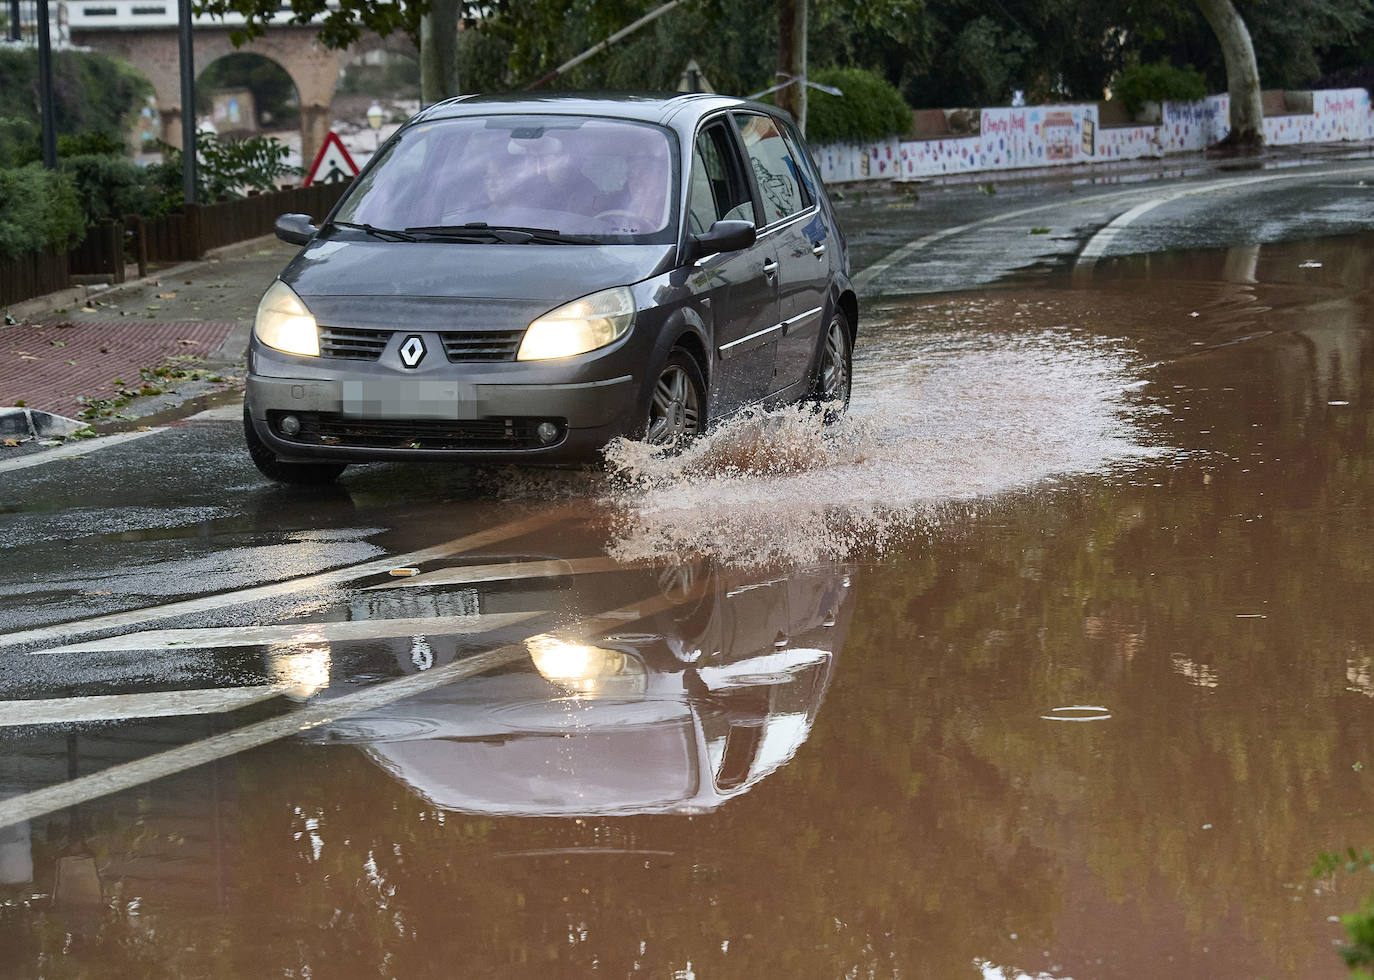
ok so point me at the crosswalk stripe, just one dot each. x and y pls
(117, 707)
(309, 583)
(297, 634)
(504, 572)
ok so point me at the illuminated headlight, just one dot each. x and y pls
(284, 323)
(577, 327)
(584, 669)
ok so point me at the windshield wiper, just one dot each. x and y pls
(388, 234)
(506, 234)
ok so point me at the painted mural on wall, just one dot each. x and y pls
(1041, 136)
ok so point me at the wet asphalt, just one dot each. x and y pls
(1050, 660)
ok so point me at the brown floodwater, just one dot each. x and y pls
(1054, 659)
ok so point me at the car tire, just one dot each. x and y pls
(676, 409)
(272, 467)
(834, 369)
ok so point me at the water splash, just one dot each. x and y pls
(937, 421)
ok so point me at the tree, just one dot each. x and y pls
(1242, 76)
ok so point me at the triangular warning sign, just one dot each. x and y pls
(332, 164)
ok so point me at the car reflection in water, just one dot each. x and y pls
(693, 708)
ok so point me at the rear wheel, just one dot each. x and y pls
(272, 467)
(677, 401)
(834, 373)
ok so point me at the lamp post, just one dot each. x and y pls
(374, 119)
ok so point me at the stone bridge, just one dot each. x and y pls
(144, 33)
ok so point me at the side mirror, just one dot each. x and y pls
(295, 229)
(723, 236)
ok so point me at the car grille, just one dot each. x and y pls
(490, 345)
(324, 429)
(460, 346)
(355, 345)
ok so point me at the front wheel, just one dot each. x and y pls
(677, 402)
(272, 467)
(834, 372)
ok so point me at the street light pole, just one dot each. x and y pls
(188, 102)
(45, 101)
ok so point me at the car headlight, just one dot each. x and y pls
(586, 670)
(577, 327)
(284, 323)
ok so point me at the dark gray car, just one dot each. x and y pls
(524, 279)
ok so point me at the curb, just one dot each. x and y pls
(30, 423)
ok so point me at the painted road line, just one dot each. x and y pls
(1097, 245)
(298, 634)
(505, 572)
(59, 632)
(129, 775)
(865, 278)
(78, 449)
(118, 707)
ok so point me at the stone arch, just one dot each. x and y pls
(313, 68)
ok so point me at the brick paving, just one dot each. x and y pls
(47, 366)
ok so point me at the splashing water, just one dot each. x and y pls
(956, 422)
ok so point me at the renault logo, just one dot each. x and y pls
(412, 351)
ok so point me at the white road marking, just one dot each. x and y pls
(81, 447)
(297, 634)
(132, 774)
(504, 572)
(309, 583)
(117, 707)
(864, 279)
(1097, 245)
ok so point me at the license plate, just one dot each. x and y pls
(397, 398)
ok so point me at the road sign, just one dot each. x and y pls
(332, 164)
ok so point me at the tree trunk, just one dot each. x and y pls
(439, 52)
(1242, 76)
(792, 58)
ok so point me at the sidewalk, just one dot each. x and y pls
(192, 319)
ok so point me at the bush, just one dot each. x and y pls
(92, 93)
(107, 186)
(869, 109)
(38, 207)
(1158, 82)
(18, 140)
(227, 168)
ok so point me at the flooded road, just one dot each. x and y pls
(1053, 659)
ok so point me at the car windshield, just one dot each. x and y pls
(581, 178)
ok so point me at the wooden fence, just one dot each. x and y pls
(180, 237)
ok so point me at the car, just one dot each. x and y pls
(523, 279)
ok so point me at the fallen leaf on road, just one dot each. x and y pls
(188, 343)
(88, 309)
(167, 295)
(58, 343)
(27, 357)
(154, 306)
(11, 443)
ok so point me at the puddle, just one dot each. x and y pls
(1086, 697)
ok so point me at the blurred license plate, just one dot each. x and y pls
(390, 398)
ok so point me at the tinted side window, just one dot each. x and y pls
(774, 167)
(719, 190)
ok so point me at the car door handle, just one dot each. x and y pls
(818, 249)
(770, 267)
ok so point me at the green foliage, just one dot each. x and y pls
(870, 108)
(107, 186)
(1359, 925)
(17, 138)
(227, 168)
(483, 62)
(38, 207)
(92, 93)
(1158, 82)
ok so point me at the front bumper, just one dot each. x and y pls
(353, 419)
